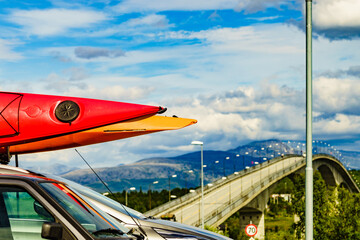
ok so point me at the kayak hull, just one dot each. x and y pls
(26, 118)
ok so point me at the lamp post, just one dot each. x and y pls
(254, 154)
(246, 154)
(155, 182)
(267, 150)
(237, 155)
(216, 162)
(186, 178)
(227, 158)
(174, 176)
(202, 181)
(126, 194)
(309, 187)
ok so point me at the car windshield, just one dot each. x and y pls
(99, 225)
(87, 192)
(110, 203)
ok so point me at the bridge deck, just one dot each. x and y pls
(227, 196)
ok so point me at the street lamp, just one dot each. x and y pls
(155, 182)
(237, 155)
(246, 153)
(267, 151)
(188, 172)
(216, 169)
(227, 158)
(126, 194)
(174, 176)
(202, 180)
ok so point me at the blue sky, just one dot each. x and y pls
(238, 67)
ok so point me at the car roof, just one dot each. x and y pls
(10, 171)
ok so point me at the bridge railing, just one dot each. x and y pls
(195, 196)
(293, 164)
(254, 189)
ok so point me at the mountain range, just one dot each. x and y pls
(184, 170)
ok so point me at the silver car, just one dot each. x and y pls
(34, 207)
(150, 228)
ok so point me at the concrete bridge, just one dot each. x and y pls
(248, 191)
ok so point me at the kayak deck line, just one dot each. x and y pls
(125, 130)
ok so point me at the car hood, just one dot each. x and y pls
(165, 223)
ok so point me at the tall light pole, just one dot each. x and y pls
(174, 176)
(216, 162)
(155, 182)
(202, 181)
(309, 189)
(186, 178)
(224, 163)
(126, 194)
(237, 155)
(246, 154)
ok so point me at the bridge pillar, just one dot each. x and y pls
(253, 213)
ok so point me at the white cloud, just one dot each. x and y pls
(336, 13)
(251, 6)
(128, 6)
(340, 126)
(248, 6)
(115, 92)
(249, 38)
(58, 83)
(247, 113)
(76, 73)
(334, 95)
(96, 52)
(263, 18)
(140, 26)
(51, 22)
(6, 51)
(65, 157)
(149, 20)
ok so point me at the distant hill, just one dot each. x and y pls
(143, 173)
(57, 169)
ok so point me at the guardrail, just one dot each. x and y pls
(195, 196)
(251, 192)
(290, 164)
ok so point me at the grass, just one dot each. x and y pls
(278, 227)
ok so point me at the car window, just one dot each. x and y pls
(93, 195)
(22, 216)
(94, 221)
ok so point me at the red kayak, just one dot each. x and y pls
(27, 117)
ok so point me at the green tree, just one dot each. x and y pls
(324, 207)
(298, 201)
(336, 210)
(347, 224)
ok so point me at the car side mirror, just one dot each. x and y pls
(51, 230)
